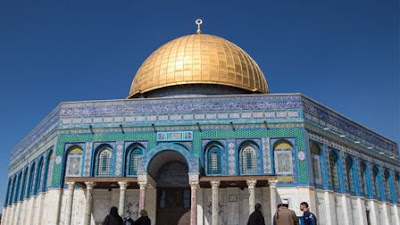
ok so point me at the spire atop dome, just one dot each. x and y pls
(198, 22)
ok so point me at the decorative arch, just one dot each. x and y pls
(334, 169)
(8, 191)
(17, 188)
(103, 161)
(23, 187)
(38, 177)
(386, 180)
(191, 159)
(375, 182)
(12, 190)
(213, 158)
(31, 180)
(349, 163)
(49, 175)
(363, 178)
(133, 158)
(283, 157)
(74, 161)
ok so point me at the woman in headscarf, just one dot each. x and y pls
(144, 219)
(113, 218)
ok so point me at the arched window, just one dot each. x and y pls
(50, 170)
(363, 178)
(214, 160)
(15, 199)
(386, 177)
(30, 183)
(349, 173)
(74, 162)
(375, 181)
(248, 160)
(283, 157)
(133, 162)
(7, 192)
(12, 191)
(333, 165)
(397, 186)
(24, 180)
(39, 177)
(316, 163)
(104, 162)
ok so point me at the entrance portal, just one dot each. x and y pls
(170, 171)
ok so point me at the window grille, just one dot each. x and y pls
(214, 160)
(104, 163)
(249, 160)
(333, 170)
(134, 161)
(316, 163)
(74, 163)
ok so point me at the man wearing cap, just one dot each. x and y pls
(285, 216)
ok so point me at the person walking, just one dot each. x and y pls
(256, 218)
(113, 218)
(308, 217)
(285, 216)
(144, 219)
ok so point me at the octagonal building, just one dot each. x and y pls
(199, 140)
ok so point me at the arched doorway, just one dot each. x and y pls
(170, 170)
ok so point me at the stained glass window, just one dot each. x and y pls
(349, 173)
(283, 158)
(104, 163)
(214, 160)
(134, 161)
(74, 162)
(316, 163)
(386, 178)
(333, 161)
(249, 160)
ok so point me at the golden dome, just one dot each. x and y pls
(199, 59)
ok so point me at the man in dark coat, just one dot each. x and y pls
(256, 218)
(113, 218)
(144, 219)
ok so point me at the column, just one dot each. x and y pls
(373, 210)
(395, 211)
(362, 216)
(386, 214)
(214, 199)
(328, 208)
(272, 192)
(142, 194)
(251, 184)
(193, 201)
(88, 204)
(122, 192)
(70, 200)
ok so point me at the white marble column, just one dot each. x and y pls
(395, 211)
(193, 200)
(373, 212)
(70, 202)
(273, 195)
(386, 214)
(142, 194)
(88, 204)
(251, 184)
(122, 193)
(328, 208)
(4, 214)
(214, 203)
(200, 203)
(362, 216)
(346, 210)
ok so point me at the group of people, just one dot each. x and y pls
(284, 215)
(114, 219)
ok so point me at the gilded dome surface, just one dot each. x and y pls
(199, 59)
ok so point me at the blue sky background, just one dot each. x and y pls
(342, 53)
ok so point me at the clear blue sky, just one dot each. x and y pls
(344, 54)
